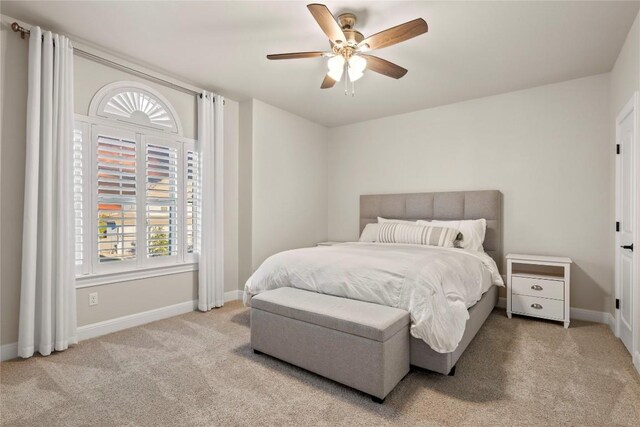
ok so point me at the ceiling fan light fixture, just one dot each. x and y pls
(336, 67)
(354, 74)
(336, 75)
(357, 63)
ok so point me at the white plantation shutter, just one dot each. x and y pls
(78, 197)
(161, 208)
(116, 197)
(136, 199)
(82, 180)
(192, 198)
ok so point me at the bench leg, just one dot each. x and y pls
(377, 399)
(452, 372)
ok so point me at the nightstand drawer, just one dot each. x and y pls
(540, 307)
(542, 288)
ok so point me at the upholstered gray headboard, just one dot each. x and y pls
(443, 206)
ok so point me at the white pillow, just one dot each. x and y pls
(396, 232)
(370, 233)
(473, 231)
(399, 221)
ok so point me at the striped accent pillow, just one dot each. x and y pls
(394, 232)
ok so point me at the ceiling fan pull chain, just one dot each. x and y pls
(353, 83)
(345, 73)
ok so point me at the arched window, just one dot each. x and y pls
(135, 185)
(135, 103)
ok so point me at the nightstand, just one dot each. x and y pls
(328, 243)
(538, 286)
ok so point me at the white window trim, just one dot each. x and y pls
(90, 280)
(90, 273)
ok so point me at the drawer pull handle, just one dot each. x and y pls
(536, 287)
(536, 306)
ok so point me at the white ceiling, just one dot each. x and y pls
(472, 49)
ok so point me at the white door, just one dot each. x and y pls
(625, 213)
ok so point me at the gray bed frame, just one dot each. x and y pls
(445, 206)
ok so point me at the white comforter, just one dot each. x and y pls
(435, 285)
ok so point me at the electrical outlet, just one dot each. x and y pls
(93, 298)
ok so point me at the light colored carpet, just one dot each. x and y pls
(198, 369)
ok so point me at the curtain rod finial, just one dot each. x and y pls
(18, 28)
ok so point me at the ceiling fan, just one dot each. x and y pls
(348, 47)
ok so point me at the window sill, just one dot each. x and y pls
(88, 281)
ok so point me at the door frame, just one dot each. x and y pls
(630, 108)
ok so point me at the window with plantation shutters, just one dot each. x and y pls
(136, 191)
(117, 190)
(162, 200)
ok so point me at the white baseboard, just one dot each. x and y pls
(119, 323)
(233, 295)
(93, 330)
(8, 351)
(579, 314)
(113, 325)
(590, 315)
(612, 323)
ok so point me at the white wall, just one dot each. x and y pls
(546, 149)
(245, 152)
(13, 83)
(117, 299)
(625, 75)
(231, 194)
(289, 182)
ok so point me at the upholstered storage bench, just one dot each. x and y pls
(359, 344)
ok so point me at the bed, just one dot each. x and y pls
(445, 206)
(446, 325)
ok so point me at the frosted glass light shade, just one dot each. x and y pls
(336, 75)
(336, 67)
(357, 63)
(354, 74)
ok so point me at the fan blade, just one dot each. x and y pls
(327, 22)
(327, 83)
(397, 34)
(296, 55)
(384, 67)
